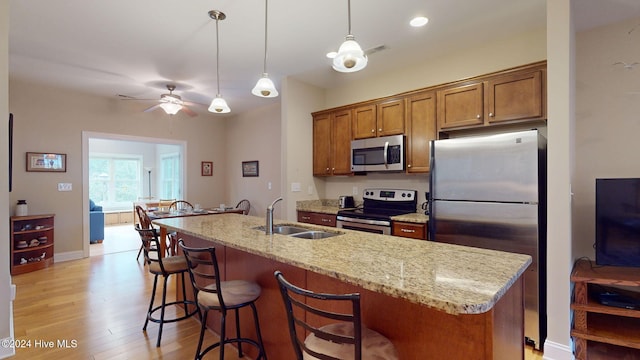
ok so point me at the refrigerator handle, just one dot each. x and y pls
(386, 148)
(432, 169)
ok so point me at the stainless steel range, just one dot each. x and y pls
(378, 208)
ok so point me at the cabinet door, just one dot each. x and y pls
(341, 143)
(390, 118)
(421, 128)
(461, 106)
(516, 97)
(364, 122)
(322, 145)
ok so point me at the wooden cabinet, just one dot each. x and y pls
(31, 243)
(516, 96)
(513, 96)
(461, 106)
(332, 143)
(421, 128)
(599, 331)
(317, 218)
(381, 119)
(409, 230)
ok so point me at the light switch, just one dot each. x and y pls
(269, 185)
(65, 187)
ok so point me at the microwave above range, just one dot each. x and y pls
(385, 153)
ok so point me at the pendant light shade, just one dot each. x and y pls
(350, 56)
(218, 105)
(265, 87)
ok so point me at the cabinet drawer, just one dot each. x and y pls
(409, 230)
(317, 218)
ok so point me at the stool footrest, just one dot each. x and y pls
(187, 315)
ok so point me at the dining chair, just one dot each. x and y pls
(211, 293)
(245, 205)
(165, 267)
(144, 222)
(345, 338)
(180, 205)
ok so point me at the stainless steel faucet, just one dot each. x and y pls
(268, 229)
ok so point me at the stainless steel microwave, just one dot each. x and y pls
(384, 153)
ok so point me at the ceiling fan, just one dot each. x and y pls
(170, 103)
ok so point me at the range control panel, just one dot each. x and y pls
(390, 194)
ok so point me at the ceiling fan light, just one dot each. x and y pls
(350, 56)
(265, 87)
(170, 107)
(219, 106)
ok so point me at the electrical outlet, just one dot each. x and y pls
(269, 185)
(65, 187)
(355, 190)
(295, 187)
(310, 190)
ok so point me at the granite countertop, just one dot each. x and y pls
(331, 207)
(452, 278)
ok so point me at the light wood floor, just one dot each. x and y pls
(99, 304)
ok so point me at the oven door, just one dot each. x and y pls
(372, 226)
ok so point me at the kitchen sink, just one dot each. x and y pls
(300, 232)
(314, 234)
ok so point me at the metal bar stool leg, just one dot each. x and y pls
(238, 333)
(258, 333)
(164, 301)
(153, 296)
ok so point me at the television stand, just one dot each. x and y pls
(603, 331)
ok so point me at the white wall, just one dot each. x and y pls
(254, 135)
(607, 108)
(6, 313)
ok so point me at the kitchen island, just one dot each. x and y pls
(432, 300)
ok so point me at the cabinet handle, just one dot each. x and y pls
(327, 169)
(333, 169)
(490, 114)
(373, 130)
(326, 220)
(478, 116)
(408, 165)
(306, 218)
(407, 230)
(380, 129)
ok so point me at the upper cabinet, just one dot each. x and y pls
(513, 96)
(380, 119)
(421, 129)
(332, 143)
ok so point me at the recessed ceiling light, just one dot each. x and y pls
(418, 21)
(332, 54)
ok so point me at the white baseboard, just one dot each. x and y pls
(67, 256)
(5, 351)
(555, 351)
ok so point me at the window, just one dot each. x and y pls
(170, 176)
(115, 181)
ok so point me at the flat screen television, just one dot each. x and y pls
(618, 222)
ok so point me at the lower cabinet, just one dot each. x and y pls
(409, 230)
(317, 218)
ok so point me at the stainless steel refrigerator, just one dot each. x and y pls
(489, 192)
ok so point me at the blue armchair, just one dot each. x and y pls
(96, 223)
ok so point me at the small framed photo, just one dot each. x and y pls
(46, 162)
(250, 168)
(207, 168)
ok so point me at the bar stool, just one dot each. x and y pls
(222, 296)
(346, 339)
(164, 267)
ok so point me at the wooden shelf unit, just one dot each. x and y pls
(30, 229)
(601, 331)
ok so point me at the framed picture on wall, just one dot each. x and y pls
(207, 168)
(46, 162)
(250, 168)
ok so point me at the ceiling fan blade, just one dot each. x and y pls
(153, 108)
(188, 111)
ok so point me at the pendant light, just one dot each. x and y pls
(218, 105)
(264, 87)
(350, 56)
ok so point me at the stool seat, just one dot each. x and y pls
(374, 345)
(172, 265)
(234, 293)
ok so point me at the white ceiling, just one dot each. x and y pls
(135, 48)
